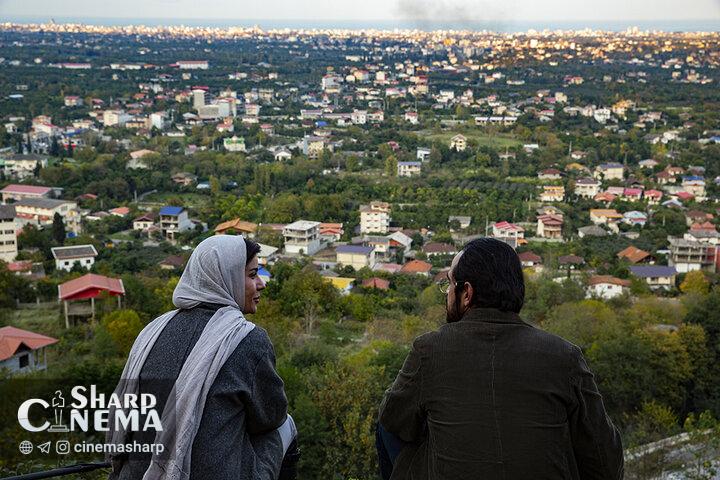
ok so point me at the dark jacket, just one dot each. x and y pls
(491, 397)
(246, 403)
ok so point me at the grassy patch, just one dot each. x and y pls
(482, 139)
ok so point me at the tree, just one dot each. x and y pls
(123, 326)
(695, 283)
(391, 165)
(58, 229)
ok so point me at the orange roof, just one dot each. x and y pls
(11, 339)
(416, 266)
(598, 279)
(633, 254)
(236, 224)
(375, 282)
(90, 285)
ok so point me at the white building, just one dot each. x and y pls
(193, 64)
(302, 237)
(375, 218)
(8, 233)
(41, 211)
(23, 166)
(67, 257)
(409, 169)
(607, 287)
(234, 144)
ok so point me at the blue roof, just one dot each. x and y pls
(644, 271)
(262, 271)
(410, 163)
(693, 178)
(358, 249)
(171, 210)
(611, 165)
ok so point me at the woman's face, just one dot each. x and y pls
(253, 286)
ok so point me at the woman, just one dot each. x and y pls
(224, 410)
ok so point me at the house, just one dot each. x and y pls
(313, 146)
(302, 237)
(550, 226)
(89, 286)
(423, 154)
(387, 247)
(119, 211)
(8, 233)
(173, 221)
(591, 231)
(530, 259)
(67, 257)
(375, 218)
(184, 178)
(433, 249)
(689, 255)
(22, 166)
(375, 282)
(570, 262)
(550, 174)
(411, 117)
(172, 262)
(356, 256)
(237, 227)
(234, 144)
(697, 216)
(417, 267)
(267, 254)
(607, 286)
(22, 350)
(605, 197)
(586, 187)
(136, 159)
(19, 192)
(408, 169)
(144, 222)
(458, 142)
(633, 194)
(657, 276)
(507, 230)
(609, 171)
(462, 220)
(552, 193)
(635, 255)
(282, 154)
(635, 217)
(606, 216)
(695, 186)
(331, 232)
(653, 197)
(41, 211)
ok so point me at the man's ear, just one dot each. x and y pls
(467, 294)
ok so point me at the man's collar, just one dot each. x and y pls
(492, 315)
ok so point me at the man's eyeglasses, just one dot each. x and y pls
(444, 286)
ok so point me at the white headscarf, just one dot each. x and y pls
(215, 274)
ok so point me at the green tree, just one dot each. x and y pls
(58, 229)
(123, 326)
(391, 165)
(695, 283)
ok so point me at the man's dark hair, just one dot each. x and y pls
(493, 269)
(252, 248)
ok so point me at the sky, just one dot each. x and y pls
(368, 10)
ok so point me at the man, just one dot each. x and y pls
(487, 396)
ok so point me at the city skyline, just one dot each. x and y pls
(419, 12)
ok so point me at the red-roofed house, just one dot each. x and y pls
(18, 192)
(685, 196)
(550, 226)
(417, 267)
(607, 286)
(22, 350)
(653, 197)
(375, 282)
(508, 230)
(633, 194)
(605, 197)
(88, 286)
